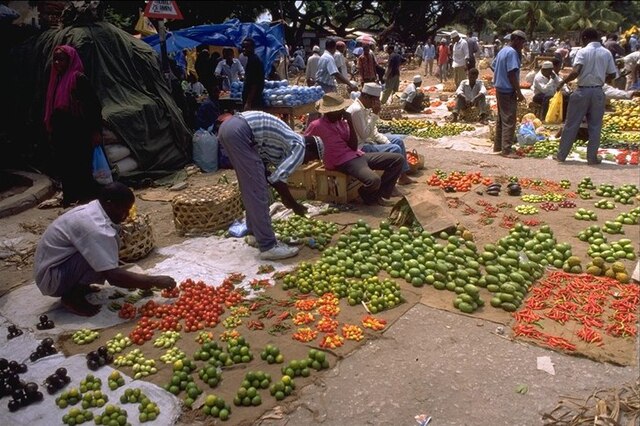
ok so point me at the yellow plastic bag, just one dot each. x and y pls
(554, 113)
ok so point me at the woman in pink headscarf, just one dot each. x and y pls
(73, 119)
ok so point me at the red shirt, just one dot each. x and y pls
(443, 54)
(335, 137)
(367, 67)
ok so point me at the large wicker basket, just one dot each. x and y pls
(389, 112)
(208, 209)
(136, 238)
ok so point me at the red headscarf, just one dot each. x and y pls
(61, 86)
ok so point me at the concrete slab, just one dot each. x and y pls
(42, 188)
(450, 367)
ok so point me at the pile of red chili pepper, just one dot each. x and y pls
(599, 304)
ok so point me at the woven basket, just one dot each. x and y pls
(136, 238)
(343, 91)
(415, 166)
(449, 86)
(205, 210)
(389, 112)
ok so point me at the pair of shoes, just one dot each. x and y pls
(385, 203)
(279, 251)
(511, 155)
(594, 162)
(251, 240)
(558, 159)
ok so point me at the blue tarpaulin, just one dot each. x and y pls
(269, 39)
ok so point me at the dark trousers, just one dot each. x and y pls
(236, 137)
(374, 187)
(506, 124)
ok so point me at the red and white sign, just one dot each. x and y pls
(159, 9)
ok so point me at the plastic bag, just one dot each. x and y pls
(554, 113)
(527, 134)
(101, 168)
(205, 150)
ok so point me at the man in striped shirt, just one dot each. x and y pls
(255, 140)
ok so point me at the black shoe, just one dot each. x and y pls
(594, 162)
(558, 159)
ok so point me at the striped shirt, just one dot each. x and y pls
(277, 144)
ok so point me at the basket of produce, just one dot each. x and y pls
(208, 209)
(415, 161)
(136, 237)
(389, 112)
(449, 86)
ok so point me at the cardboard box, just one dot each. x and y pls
(302, 182)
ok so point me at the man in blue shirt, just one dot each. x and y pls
(506, 79)
(254, 140)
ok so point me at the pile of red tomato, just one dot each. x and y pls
(198, 306)
(457, 181)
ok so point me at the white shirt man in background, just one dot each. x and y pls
(460, 57)
(312, 66)
(229, 69)
(631, 66)
(341, 60)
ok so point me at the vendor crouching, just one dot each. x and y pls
(412, 98)
(80, 248)
(471, 93)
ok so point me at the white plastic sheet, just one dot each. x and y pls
(47, 412)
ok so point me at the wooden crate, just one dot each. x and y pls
(335, 187)
(302, 182)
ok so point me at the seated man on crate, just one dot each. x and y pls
(254, 140)
(364, 112)
(412, 98)
(80, 248)
(336, 128)
(471, 93)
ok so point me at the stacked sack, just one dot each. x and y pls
(118, 154)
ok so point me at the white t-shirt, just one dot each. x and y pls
(547, 86)
(597, 63)
(86, 230)
(341, 64)
(233, 72)
(460, 53)
(469, 92)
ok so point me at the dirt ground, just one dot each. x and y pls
(451, 366)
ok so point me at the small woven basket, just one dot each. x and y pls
(415, 161)
(206, 210)
(136, 238)
(389, 112)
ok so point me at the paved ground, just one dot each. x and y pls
(451, 367)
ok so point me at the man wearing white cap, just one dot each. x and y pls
(460, 57)
(411, 97)
(545, 85)
(312, 66)
(364, 113)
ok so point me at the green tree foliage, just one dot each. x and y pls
(531, 16)
(585, 14)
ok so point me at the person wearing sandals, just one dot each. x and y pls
(506, 79)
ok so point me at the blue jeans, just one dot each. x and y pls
(396, 145)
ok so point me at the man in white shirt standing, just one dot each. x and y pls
(471, 92)
(364, 114)
(593, 67)
(229, 69)
(328, 74)
(545, 86)
(411, 97)
(312, 66)
(341, 60)
(460, 57)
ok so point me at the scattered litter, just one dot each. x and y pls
(423, 419)
(500, 330)
(522, 389)
(545, 364)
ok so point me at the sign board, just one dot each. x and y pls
(162, 10)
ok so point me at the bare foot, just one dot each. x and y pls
(405, 180)
(77, 304)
